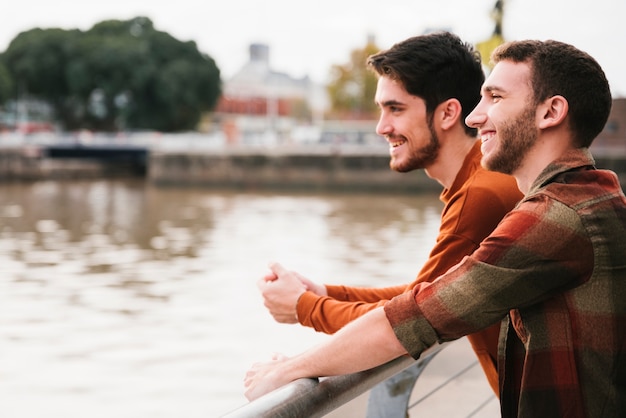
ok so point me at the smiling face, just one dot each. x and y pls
(505, 117)
(413, 143)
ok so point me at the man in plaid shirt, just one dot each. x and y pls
(553, 271)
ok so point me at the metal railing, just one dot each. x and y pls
(318, 397)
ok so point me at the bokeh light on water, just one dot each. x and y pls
(120, 299)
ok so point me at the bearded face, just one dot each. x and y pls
(515, 139)
(419, 155)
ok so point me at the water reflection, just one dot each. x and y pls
(120, 299)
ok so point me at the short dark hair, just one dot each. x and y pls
(561, 69)
(436, 67)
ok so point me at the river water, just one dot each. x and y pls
(119, 299)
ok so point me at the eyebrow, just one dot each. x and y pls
(491, 89)
(388, 103)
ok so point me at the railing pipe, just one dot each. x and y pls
(316, 398)
(390, 399)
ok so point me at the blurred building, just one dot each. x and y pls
(260, 105)
(27, 116)
(612, 139)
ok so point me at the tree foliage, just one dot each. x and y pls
(116, 75)
(353, 86)
(6, 83)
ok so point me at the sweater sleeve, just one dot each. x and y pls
(363, 294)
(329, 315)
(472, 212)
(344, 303)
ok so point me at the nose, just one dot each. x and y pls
(383, 127)
(477, 116)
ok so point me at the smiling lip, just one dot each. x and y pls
(396, 144)
(486, 135)
(395, 141)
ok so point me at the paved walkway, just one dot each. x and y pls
(469, 395)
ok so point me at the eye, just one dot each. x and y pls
(495, 97)
(397, 108)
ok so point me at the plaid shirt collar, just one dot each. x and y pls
(571, 160)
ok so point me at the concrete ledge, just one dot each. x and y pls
(294, 170)
(306, 167)
(31, 163)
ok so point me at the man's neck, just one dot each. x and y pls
(450, 160)
(545, 151)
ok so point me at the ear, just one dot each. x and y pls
(448, 113)
(552, 112)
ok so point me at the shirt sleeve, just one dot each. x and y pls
(329, 315)
(363, 294)
(538, 250)
(345, 303)
(471, 214)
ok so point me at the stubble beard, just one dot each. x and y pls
(420, 158)
(516, 138)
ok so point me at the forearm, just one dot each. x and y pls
(367, 342)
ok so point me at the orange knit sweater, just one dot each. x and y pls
(476, 202)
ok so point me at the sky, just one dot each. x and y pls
(307, 37)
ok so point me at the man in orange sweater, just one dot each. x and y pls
(427, 85)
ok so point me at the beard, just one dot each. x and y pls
(516, 138)
(419, 158)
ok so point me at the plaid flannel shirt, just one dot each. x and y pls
(554, 273)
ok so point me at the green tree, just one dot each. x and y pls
(36, 60)
(353, 85)
(6, 84)
(116, 75)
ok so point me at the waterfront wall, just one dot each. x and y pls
(307, 170)
(32, 163)
(363, 169)
(20, 164)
